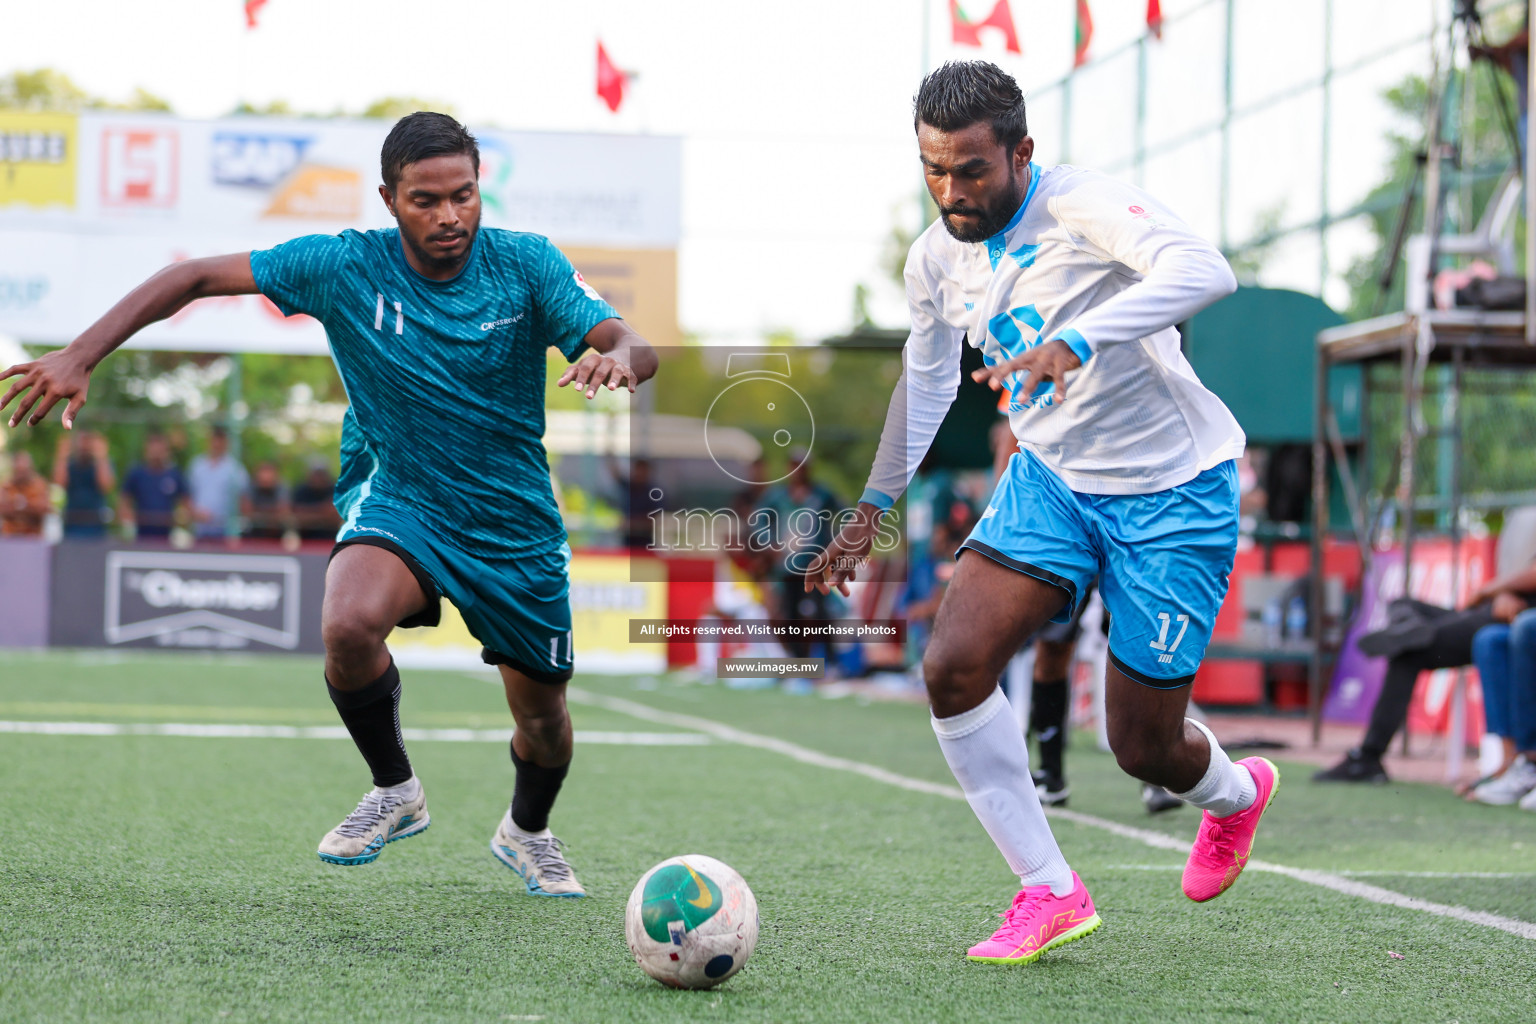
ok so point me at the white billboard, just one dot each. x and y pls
(90, 205)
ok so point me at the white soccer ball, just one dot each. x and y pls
(691, 922)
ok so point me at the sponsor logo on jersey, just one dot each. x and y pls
(582, 283)
(494, 324)
(1147, 220)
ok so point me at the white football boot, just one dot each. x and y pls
(383, 816)
(536, 857)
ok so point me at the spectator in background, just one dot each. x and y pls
(81, 467)
(642, 499)
(24, 499)
(1419, 637)
(152, 491)
(1505, 655)
(266, 507)
(217, 484)
(803, 516)
(928, 576)
(314, 510)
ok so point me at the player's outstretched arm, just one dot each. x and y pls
(64, 375)
(619, 356)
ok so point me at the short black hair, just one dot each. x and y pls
(960, 93)
(420, 136)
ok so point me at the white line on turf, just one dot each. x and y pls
(1323, 879)
(332, 732)
(1356, 874)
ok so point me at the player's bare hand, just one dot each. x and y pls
(1043, 364)
(46, 381)
(596, 371)
(836, 566)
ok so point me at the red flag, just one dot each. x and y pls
(968, 33)
(1084, 33)
(252, 8)
(1155, 18)
(610, 80)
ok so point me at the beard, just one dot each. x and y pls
(993, 218)
(436, 261)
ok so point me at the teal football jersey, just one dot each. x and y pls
(445, 378)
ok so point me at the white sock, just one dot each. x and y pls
(987, 753)
(408, 789)
(1226, 788)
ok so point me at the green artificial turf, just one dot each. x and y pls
(164, 878)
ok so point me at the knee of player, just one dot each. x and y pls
(1136, 757)
(352, 633)
(952, 681)
(1138, 750)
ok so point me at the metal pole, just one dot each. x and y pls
(1455, 747)
(1530, 209)
(1323, 201)
(1319, 636)
(1066, 120)
(1139, 141)
(1225, 194)
(1406, 453)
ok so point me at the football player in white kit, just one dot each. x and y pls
(1070, 283)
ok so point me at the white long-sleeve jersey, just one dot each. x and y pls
(1105, 268)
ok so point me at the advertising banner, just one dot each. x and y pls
(26, 565)
(104, 596)
(1357, 679)
(91, 205)
(603, 600)
(37, 160)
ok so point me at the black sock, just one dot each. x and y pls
(372, 716)
(534, 794)
(1048, 720)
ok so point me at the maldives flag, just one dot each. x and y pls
(1084, 33)
(1155, 18)
(610, 80)
(252, 8)
(968, 33)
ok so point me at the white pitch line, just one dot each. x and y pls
(332, 732)
(1323, 879)
(1357, 874)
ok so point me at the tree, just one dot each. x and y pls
(1482, 151)
(48, 89)
(392, 108)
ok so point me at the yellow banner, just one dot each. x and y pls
(37, 158)
(641, 284)
(603, 600)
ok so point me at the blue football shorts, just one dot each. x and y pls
(519, 609)
(1162, 559)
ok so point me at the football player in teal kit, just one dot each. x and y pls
(439, 330)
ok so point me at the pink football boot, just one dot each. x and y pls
(1036, 922)
(1221, 849)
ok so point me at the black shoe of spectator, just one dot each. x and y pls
(1406, 630)
(1356, 767)
(1156, 799)
(1052, 788)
